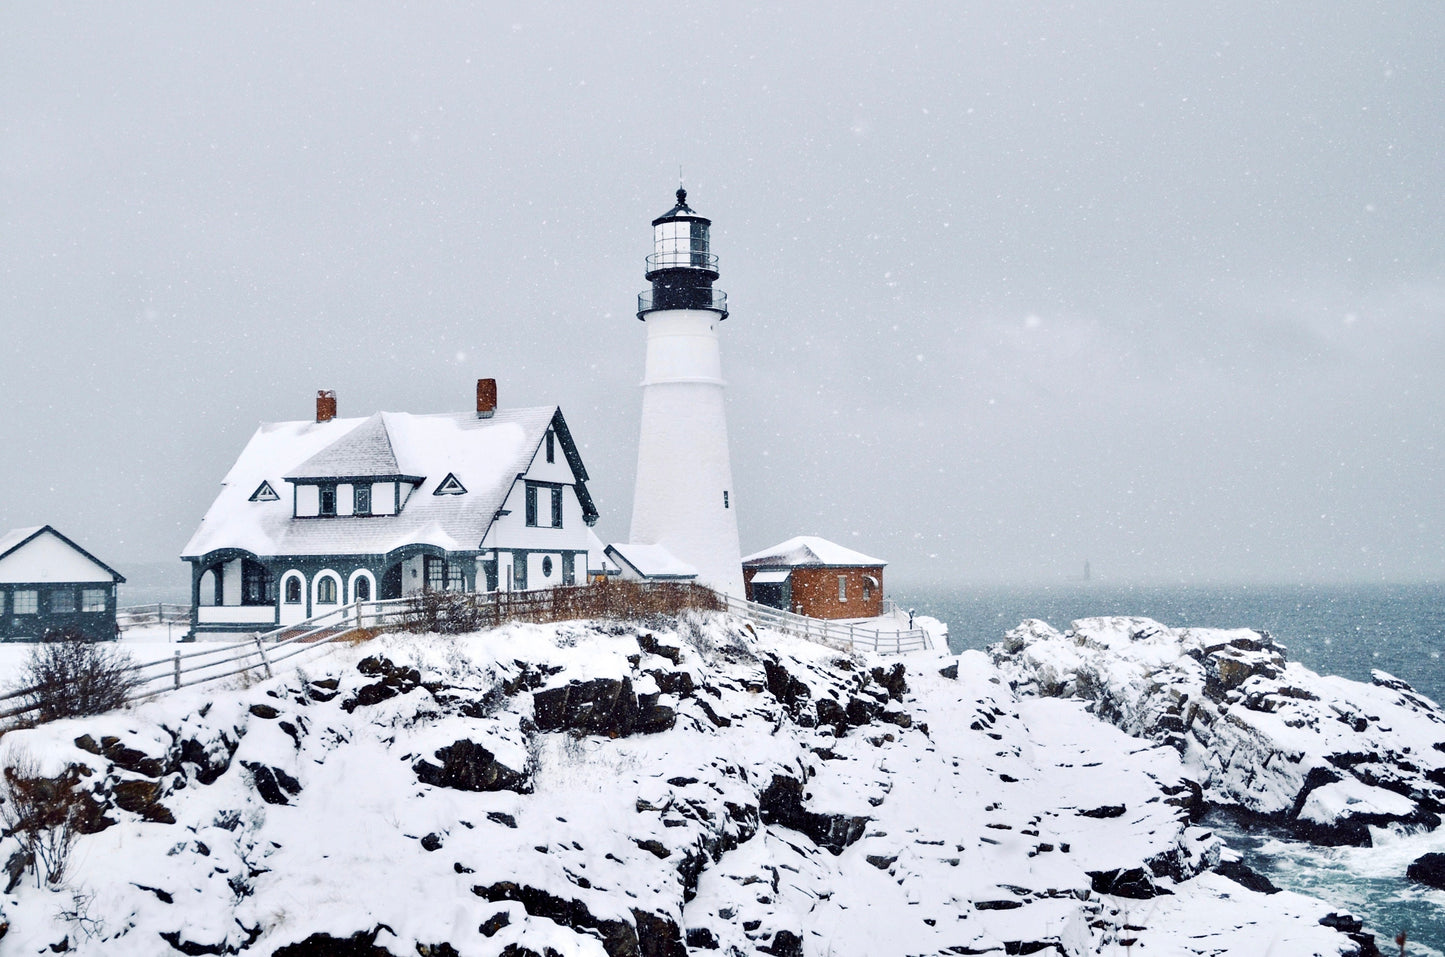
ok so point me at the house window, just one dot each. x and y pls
(436, 572)
(867, 592)
(326, 591)
(27, 601)
(361, 500)
(293, 590)
(547, 566)
(2, 604)
(361, 589)
(62, 601)
(456, 577)
(842, 587)
(92, 599)
(551, 447)
(544, 505)
(327, 494)
(725, 498)
(257, 585)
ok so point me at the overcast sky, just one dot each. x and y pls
(1160, 286)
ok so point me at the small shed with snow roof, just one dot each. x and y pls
(815, 577)
(49, 585)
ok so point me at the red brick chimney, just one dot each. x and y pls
(486, 398)
(325, 405)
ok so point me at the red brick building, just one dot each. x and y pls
(815, 577)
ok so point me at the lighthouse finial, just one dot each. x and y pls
(681, 196)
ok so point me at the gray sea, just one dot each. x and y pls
(1343, 630)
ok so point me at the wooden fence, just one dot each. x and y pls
(461, 612)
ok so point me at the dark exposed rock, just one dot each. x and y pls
(893, 680)
(211, 760)
(1428, 869)
(1242, 873)
(1105, 811)
(272, 784)
(782, 685)
(950, 672)
(1131, 882)
(702, 937)
(502, 818)
(496, 922)
(360, 944)
(652, 646)
(431, 842)
(467, 766)
(264, 711)
(647, 935)
(143, 798)
(605, 706)
(191, 948)
(781, 802)
(997, 905)
(785, 943)
(131, 759)
(395, 680)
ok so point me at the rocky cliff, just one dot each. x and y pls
(1324, 756)
(606, 789)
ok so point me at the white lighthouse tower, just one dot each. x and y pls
(684, 497)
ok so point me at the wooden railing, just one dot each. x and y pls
(460, 612)
(845, 636)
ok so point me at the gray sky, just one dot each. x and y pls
(1159, 286)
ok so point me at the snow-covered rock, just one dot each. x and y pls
(1267, 737)
(597, 788)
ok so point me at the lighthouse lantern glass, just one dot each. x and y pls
(680, 242)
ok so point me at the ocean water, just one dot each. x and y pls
(1342, 630)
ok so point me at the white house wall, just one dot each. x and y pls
(512, 531)
(345, 498)
(308, 501)
(46, 558)
(231, 582)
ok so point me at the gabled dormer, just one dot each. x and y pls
(355, 476)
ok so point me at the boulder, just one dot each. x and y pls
(1428, 869)
(468, 766)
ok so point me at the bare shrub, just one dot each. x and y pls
(446, 612)
(70, 677)
(44, 814)
(653, 603)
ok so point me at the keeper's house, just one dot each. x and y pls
(49, 584)
(314, 515)
(815, 577)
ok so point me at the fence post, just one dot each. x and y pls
(261, 649)
(178, 670)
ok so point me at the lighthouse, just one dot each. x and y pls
(684, 497)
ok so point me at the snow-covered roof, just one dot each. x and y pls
(650, 561)
(16, 537)
(809, 550)
(364, 452)
(48, 571)
(597, 560)
(485, 455)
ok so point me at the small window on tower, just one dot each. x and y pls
(328, 500)
(842, 587)
(551, 447)
(725, 498)
(362, 500)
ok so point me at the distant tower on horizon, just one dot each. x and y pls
(684, 498)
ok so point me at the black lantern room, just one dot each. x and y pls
(682, 267)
